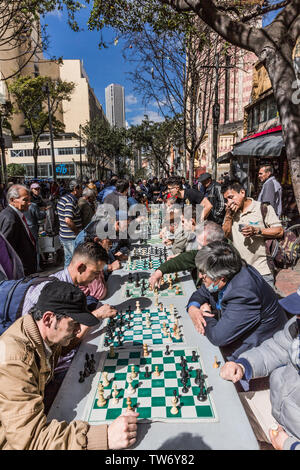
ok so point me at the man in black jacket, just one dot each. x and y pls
(234, 306)
(15, 229)
(213, 192)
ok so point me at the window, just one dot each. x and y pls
(77, 150)
(65, 151)
(43, 170)
(263, 111)
(272, 108)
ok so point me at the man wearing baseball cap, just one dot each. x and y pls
(278, 357)
(29, 351)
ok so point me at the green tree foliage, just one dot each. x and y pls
(106, 146)
(15, 169)
(29, 97)
(155, 139)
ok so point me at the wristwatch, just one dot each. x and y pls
(259, 232)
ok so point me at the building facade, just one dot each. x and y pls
(115, 105)
(71, 159)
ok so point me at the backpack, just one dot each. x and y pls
(12, 295)
(281, 254)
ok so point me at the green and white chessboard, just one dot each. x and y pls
(138, 333)
(163, 290)
(153, 395)
(140, 264)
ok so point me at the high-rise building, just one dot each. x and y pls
(115, 105)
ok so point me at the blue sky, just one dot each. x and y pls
(103, 66)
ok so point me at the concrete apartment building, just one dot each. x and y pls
(70, 154)
(115, 105)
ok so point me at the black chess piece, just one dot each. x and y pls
(81, 377)
(147, 374)
(167, 351)
(86, 371)
(202, 395)
(127, 293)
(106, 342)
(184, 382)
(183, 362)
(198, 376)
(194, 356)
(92, 364)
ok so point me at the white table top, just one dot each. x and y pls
(232, 431)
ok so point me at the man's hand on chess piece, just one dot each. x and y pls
(155, 278)
(114, 266)
(105, 311)
(122, 432)
(232, 371)
(197, 315)
(278, 437)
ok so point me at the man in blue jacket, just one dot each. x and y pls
(234, 306)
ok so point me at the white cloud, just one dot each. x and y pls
(131, 99)
(152, 115)
(57, 13)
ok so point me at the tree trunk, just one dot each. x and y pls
(35, 153)
(283, 78)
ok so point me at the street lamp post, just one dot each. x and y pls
(3, 162)
(216, 120)
(51, 134)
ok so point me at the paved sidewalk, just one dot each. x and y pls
(288, 281)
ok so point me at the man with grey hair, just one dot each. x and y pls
(69, 219)
(205, 232)
(86, 206)
(14, 228)
(271, 191)
(241, 310)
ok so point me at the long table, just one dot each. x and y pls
(230, 431)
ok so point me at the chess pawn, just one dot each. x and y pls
(105, 380)
(101, 400)
(156, 301)
(133, 372)
(156, 373)
(130, 389)
(128, 403)
(164, 329)
(111, 352)
(174, 409)
(145, 350)
(162, 281)
(177, 290)
(115, 394)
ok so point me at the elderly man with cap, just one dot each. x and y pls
(212, 191)
(279, 358)
(29, 350)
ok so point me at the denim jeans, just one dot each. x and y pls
(69, 247)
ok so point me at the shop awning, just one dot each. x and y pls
(225, 158)
(269, 145)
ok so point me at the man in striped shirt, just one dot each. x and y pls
(69, 219)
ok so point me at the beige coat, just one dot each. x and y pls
(24, 372)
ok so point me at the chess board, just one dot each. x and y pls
(143, 264)
(163, 290)
(138, 333)
(153, 395)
